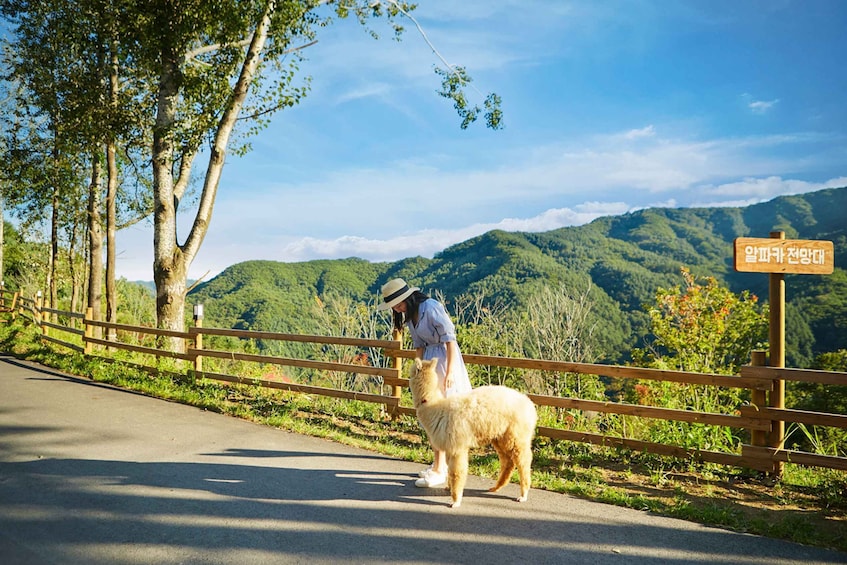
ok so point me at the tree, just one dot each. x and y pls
(212, 63)
(43, 187)
(703, 328)
(339, 315)
(64, 57)
(699, 328)
(559, 326)
(486, 327)
(215, 71)
(37, 137)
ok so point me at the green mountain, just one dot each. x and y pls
(625, 259)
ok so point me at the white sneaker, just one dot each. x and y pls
(432, 480)
(425, 472)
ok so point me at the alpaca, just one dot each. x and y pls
(495, 415)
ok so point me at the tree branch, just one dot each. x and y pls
(192, 55)
(421, 31)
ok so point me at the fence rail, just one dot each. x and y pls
(764, 415)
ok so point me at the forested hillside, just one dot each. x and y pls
(623, 258)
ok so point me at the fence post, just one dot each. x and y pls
(198, 340)
(758, 398)
(397, 364)
(89, 330)
(39, 312)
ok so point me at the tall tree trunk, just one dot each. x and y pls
(111, 197)
(169, 268)
(54, 251)
(111, 190)
(72, 268)
(171, 260)
(95, 245)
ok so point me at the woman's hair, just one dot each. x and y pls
(412, 304)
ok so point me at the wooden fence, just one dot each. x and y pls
(761, 418)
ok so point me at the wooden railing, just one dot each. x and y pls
(760, 418)
(390, 376)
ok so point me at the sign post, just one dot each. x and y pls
(777, 256)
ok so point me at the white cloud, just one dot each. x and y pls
(762, 106)
(370, 163)
(377, 89)
(753, 190)
(428, 242)
(437, 192)
(421, 205)
(648, 131)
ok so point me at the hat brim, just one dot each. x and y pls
(397, 299)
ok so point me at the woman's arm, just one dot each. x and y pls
(452, 354)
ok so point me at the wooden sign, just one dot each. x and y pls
(770, 255)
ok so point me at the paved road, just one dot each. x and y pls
(92, 474)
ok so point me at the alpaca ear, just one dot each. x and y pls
(432, 364)
(418, 363)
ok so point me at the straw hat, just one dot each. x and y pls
(394, 292)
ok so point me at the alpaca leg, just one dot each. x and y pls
(457, 475)
(524, 457)
(506, 467)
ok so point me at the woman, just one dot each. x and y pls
(433, 337)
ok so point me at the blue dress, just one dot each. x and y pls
(432, 332)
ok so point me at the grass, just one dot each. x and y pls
(805, 505)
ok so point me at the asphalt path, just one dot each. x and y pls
(98, 475)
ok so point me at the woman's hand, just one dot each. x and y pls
(452, 353)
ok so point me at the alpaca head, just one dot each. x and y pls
(423, 382)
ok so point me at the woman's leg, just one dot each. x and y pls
(439, 458)
(435, 475)
(439, 462)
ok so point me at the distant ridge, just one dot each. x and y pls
(625, 258)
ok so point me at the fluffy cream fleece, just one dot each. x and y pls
(490, 415)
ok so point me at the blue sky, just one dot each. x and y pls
(610, 106)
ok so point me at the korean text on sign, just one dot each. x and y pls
(772, 255)
(791, 255)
